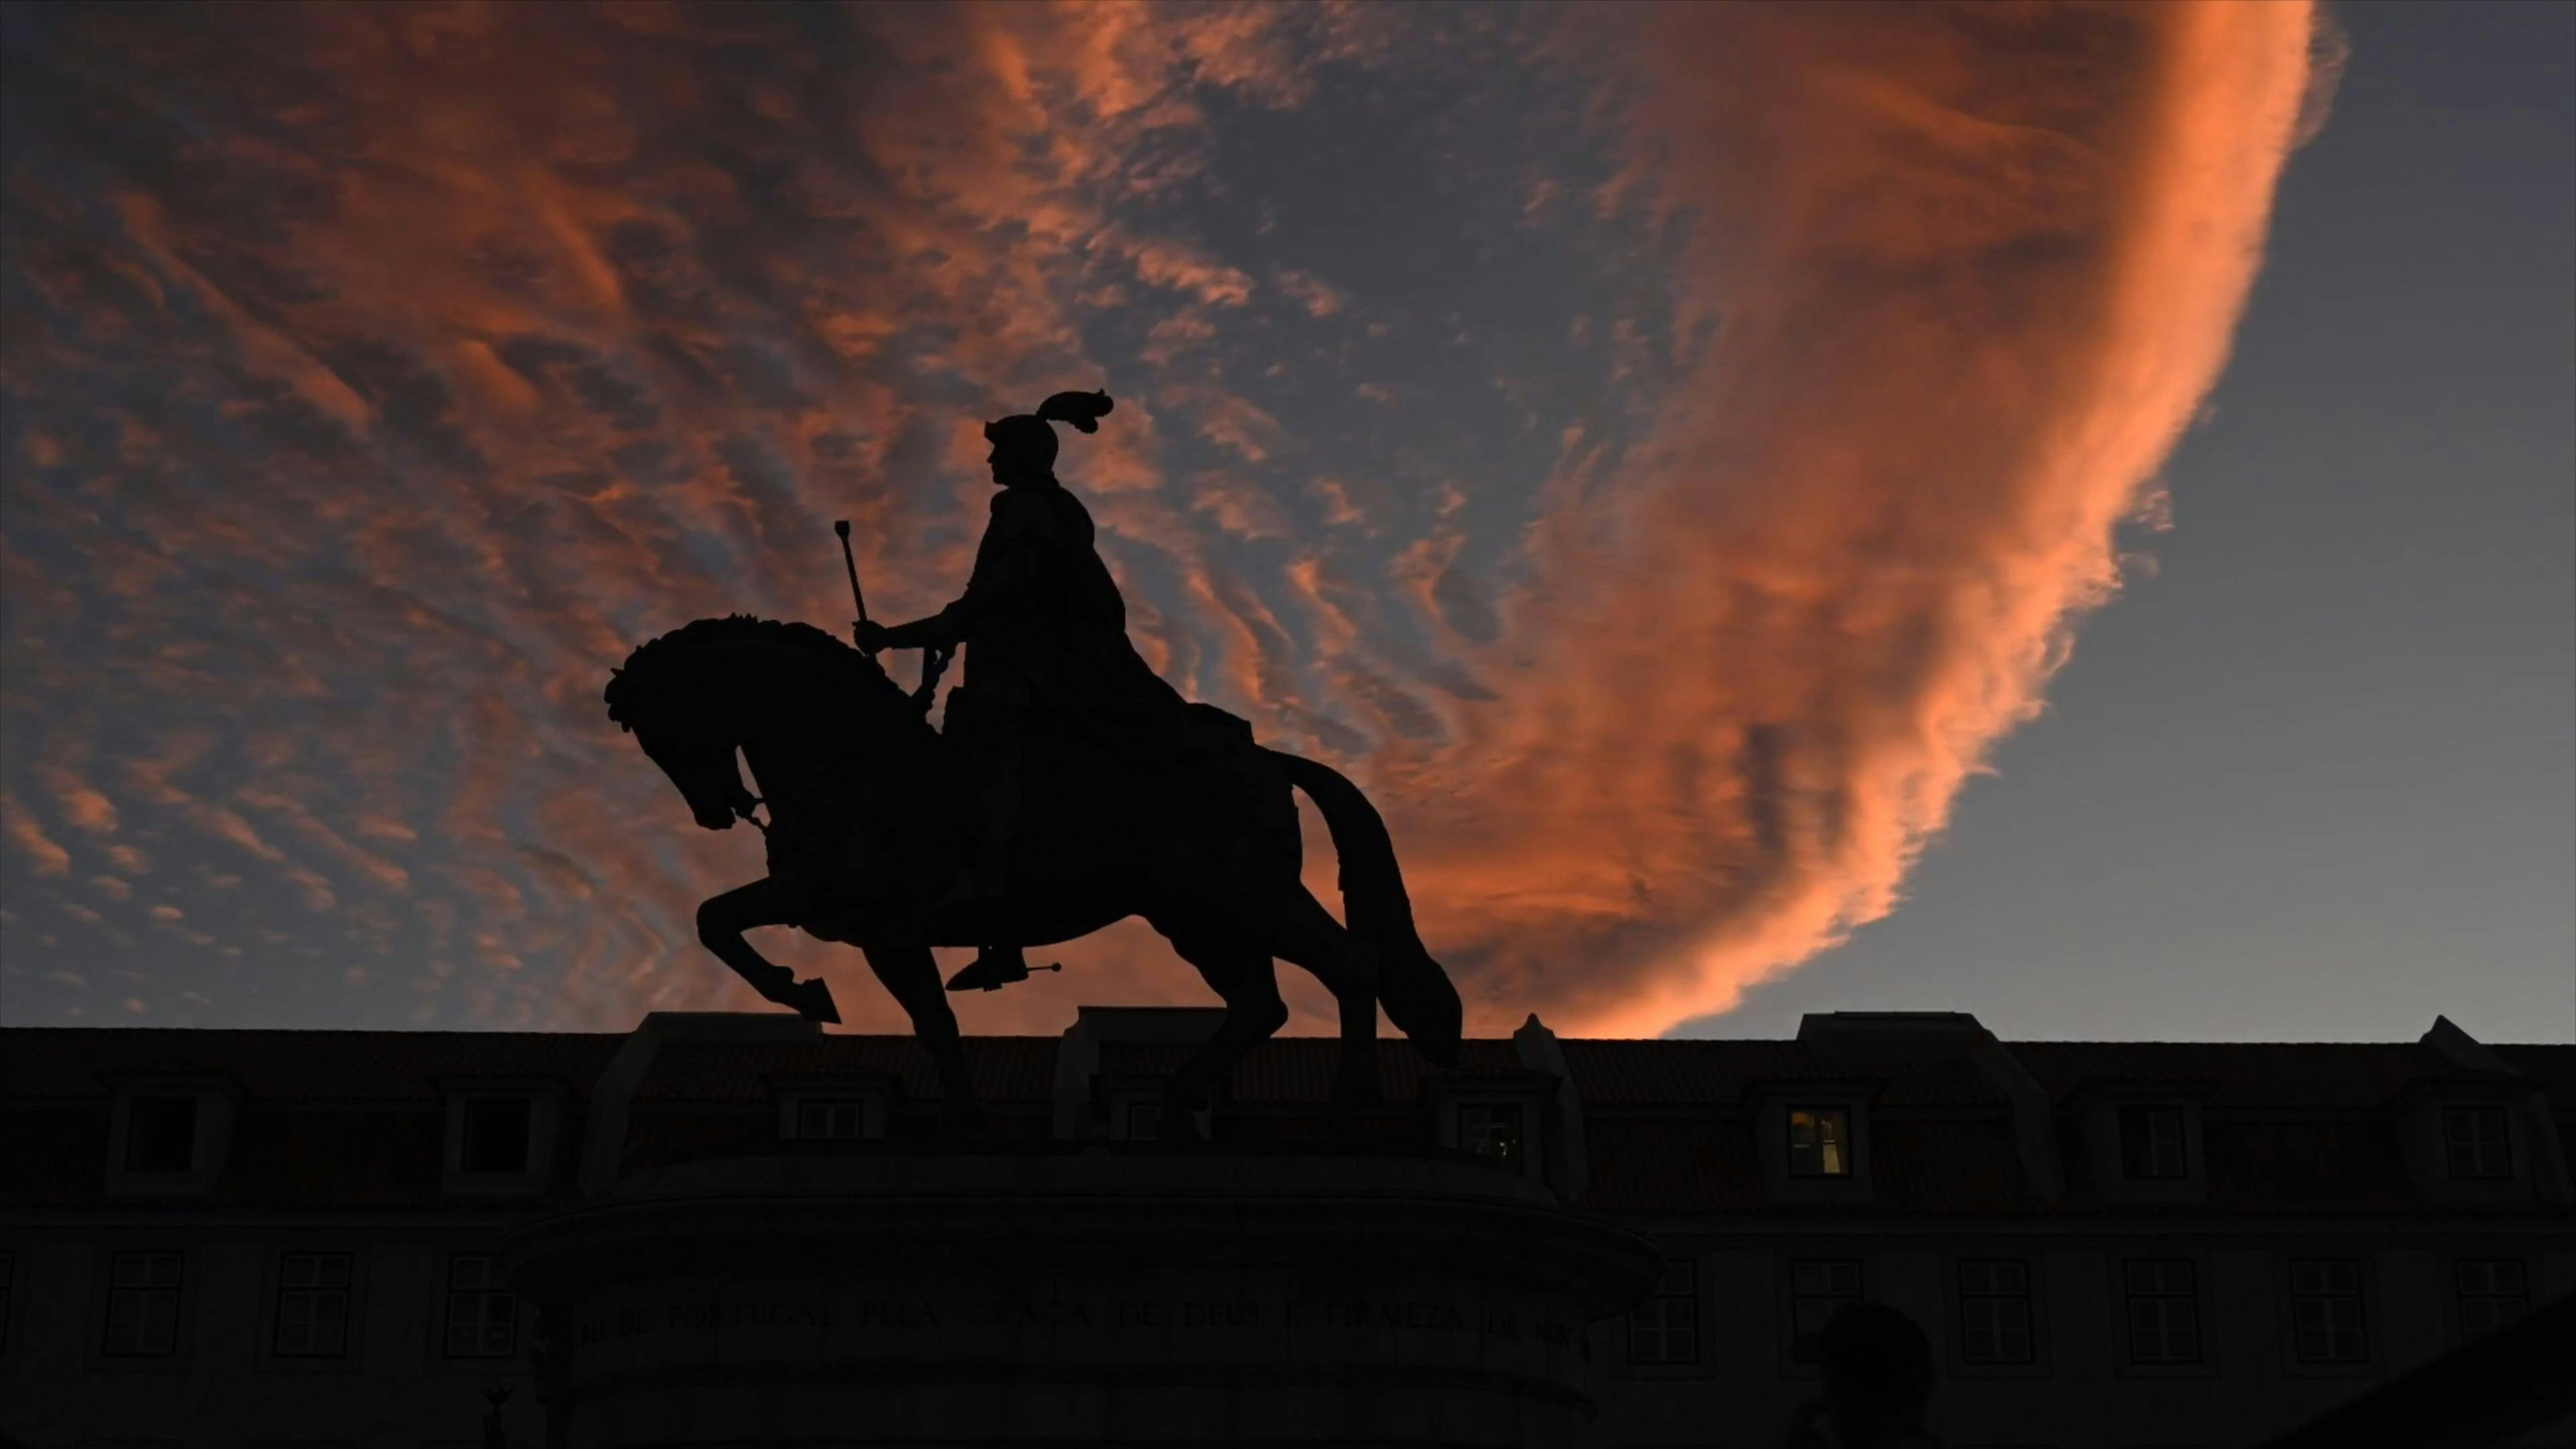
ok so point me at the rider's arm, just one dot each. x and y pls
(1004, 563)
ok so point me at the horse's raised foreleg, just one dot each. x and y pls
(723, 919)
(1245, 978)
(911, 976)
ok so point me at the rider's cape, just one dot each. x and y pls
(1047, 630)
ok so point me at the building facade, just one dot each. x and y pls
(227, 1239)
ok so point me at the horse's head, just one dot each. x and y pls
(693, 697)
(681, 736)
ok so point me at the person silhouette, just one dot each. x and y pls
(1045, 634)
(1878, 1379)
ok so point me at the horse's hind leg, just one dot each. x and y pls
(911, 976)
(1244, 977)
(1304, 932)
(721, 922)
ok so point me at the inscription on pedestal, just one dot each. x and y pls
(1412, 1315)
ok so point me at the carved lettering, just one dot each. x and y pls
(767, 1315)
(1221, 1315)
(1409, 1313)
(1139, 1313)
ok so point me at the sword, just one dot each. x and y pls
(841, 526)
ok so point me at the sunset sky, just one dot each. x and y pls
(2062, 513)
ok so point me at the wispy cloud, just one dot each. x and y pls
(1662, 512)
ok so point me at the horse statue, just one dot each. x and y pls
(864, 846)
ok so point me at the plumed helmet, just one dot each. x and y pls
(1029, 436)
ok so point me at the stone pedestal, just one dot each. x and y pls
(1075, 1298)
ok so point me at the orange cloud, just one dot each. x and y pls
(1972, 271)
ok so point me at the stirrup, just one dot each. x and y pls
(995, 968)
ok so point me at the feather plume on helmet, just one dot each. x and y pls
(1027, 436)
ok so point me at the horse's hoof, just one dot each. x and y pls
(813, 1001)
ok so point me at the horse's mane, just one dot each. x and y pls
(853, 668)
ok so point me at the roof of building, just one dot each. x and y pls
(54, 1062)
(74, 1062)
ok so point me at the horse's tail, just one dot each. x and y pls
(1417, 994)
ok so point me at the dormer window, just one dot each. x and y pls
(1495, 1130)
(2151, 1144)
(2477, 1142)
(2142, 1142)
(1500, 1122)
(842, 1117)
(1812, 1140)
(1820, 1142)
(170, 1130)
(834, 1108)
(501, 1135)
(496, 1135)
(161, 1134)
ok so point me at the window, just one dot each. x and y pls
(482, 1316)
(1819, 1142)
(2493, 1292)
(2164, 1312)
(2325, 1310)
(1492, 1129)
(313, 1305)
(2151, 1143)
(161, 1134)
(832, 1117)
(1665, 1327)
(2476, 1141)
(496, 1134)
(142, 1305)
(1994, 1310)
(1818, 1287)
(1144, 1121)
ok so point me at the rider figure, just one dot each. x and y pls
(1049, 635)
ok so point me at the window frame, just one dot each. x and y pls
(1771, 1103)
(1521, 1138)
(818, 1116)
(476, 1110)
(2291, 1293)
(448, 1294)
(113, 1294)
(2478, 1113)
(542, 1168)
(1846, 1143)
(287, 1294)
(873, 1096)
(2026, 1298)
(1791, 1299)
(2194, 1295)
(1449, 1104)
(1663, 1298)
(2461, 1297)
(2143, 1159)
(137, 1137)
(218, 1102)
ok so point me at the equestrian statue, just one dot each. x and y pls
(1092, 791)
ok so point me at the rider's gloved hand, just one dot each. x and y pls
(872, 636)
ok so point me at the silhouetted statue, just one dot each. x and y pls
(1045, 634)
(1098, 793)
(1877, 1367)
